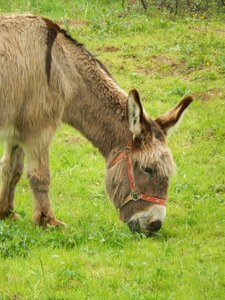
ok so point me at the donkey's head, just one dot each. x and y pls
(137, 176)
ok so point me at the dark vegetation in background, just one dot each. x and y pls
(181, 6)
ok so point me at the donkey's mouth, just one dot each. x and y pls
(134, 225)
(147, 229)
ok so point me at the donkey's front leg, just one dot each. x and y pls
(39, 177)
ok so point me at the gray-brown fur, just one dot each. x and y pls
(151, 154)
(47, 77)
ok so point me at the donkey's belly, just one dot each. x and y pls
(9, 133)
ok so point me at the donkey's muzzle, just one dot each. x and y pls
(148, 230)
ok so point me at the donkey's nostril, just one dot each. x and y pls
(134, 225)
(154, 226)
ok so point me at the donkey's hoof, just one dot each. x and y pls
(47, 219)
(45, 222)
(9, 214)
(56, 223)
(14, 216)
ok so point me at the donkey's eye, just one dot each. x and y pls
(149, 171)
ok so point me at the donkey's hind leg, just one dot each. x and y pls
(11, 168)
(39, 177)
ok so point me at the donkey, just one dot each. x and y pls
(47, 77)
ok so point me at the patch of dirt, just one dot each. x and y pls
(198, 28)
(220, 30)
(74, 140)
(72, 23)
(144, 71)
(165, 66)
(209, 95)
(162, 60)
(109, 49)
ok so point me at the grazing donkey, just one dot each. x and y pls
(47, 77)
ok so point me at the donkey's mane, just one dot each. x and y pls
(53, 25)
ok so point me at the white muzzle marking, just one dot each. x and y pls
(152, 214)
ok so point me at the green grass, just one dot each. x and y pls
(97, 257)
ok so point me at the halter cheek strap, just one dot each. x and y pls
(134, 194)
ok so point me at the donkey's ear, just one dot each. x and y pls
(171, 118)
(135, 114)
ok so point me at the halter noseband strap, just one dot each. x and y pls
(134, 194)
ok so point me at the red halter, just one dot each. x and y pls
(134, 194)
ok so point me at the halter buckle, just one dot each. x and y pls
(134, 196)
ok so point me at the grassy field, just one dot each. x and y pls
(97, 257)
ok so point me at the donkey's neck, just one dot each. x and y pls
(98, 108)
